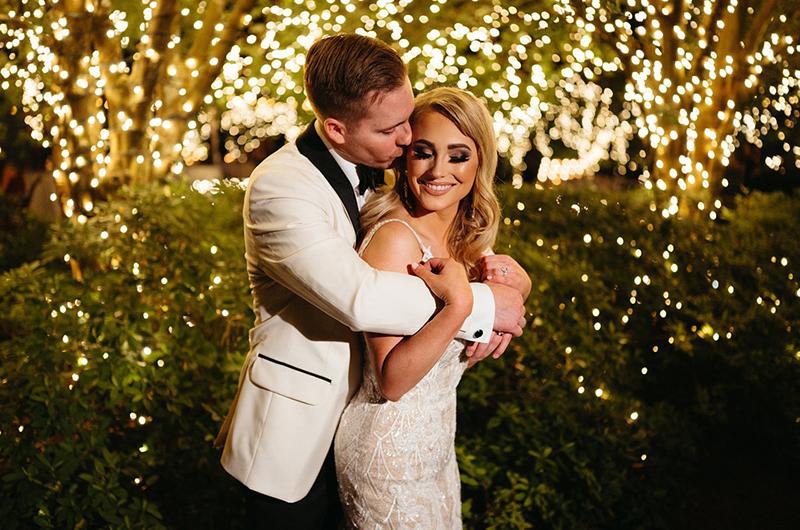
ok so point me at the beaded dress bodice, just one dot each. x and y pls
(396, 461)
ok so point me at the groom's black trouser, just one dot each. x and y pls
(319, 510)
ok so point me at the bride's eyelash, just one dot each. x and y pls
(421, 154)
(424, 154)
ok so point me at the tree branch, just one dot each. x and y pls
(711, 22)
(756, 30)
(159, 33)
(109, 48)
(230, 34)
(205, 35)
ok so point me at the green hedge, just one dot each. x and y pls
(120, 349)
(120, 353)
(689, 323)
(22, 234)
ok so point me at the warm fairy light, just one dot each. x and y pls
(714, 116)
(690, 97)
(646, 288)
(55, 90)
(507, 73)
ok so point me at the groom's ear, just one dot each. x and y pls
(335, 130)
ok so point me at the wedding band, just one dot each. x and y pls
(499, 333)
(504, 271)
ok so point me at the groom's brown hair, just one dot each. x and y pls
(344, 73)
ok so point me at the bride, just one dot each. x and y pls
(394, 448)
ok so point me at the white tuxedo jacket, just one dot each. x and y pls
(312, 293)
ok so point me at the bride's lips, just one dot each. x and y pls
(436, 188)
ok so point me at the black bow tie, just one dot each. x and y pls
(369, 178)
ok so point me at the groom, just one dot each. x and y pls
(312, 292)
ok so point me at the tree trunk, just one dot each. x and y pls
(78, 122)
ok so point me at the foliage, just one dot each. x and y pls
(120, 353)
(687, 323)
(118, 363)
(22, 234)
(17, 147)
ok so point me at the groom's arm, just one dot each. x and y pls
(289, 223)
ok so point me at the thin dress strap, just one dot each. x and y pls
(426, 251)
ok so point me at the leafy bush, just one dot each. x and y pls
(120, 350)
(22, 234)
(689, 324)
(120, 353)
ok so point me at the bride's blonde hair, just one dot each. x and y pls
(474, 229)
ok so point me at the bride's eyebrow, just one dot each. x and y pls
(459, 146)
(424, 142)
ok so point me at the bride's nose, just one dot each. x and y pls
(439, 167)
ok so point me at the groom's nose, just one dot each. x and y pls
(404, 135)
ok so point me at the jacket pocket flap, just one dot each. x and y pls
(288, 380)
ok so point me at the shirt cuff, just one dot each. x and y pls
(478, 326)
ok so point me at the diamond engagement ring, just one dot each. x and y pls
(504, 270)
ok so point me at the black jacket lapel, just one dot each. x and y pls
(311, 146)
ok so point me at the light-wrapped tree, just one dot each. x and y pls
(701, 78)
(128, 92)
(113, 86)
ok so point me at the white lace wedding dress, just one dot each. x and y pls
(396, 461)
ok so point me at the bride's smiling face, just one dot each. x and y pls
(441, 164)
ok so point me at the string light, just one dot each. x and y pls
(677, 98)
(685, 72)
(261, 95)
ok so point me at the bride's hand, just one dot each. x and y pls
(447, 279)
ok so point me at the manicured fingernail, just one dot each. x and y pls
(414, 266)
(488, 277)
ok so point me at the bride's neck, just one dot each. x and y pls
(434, 227)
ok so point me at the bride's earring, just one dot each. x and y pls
(470, 213)
(405, 194)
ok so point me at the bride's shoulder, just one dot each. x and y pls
(391, 245)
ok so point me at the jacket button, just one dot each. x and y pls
(478, 334)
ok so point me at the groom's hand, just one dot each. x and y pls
(477, 351)
(509, 311)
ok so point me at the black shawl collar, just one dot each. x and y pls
(311, 146)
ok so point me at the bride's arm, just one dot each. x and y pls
(401, 362)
